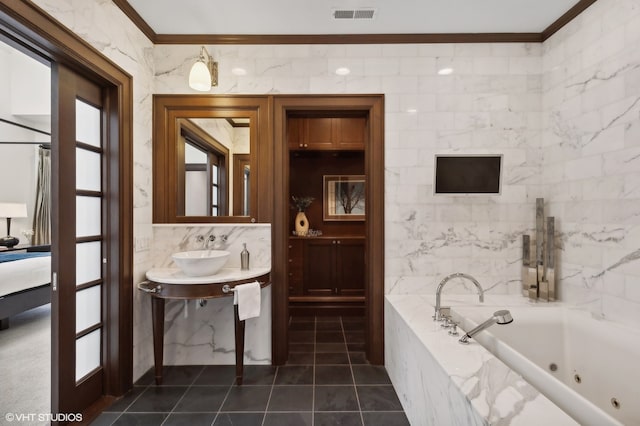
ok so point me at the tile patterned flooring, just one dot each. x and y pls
(327, 381)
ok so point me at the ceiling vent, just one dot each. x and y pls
(354, 13)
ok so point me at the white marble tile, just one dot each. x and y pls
(204, 335)
(440, 381)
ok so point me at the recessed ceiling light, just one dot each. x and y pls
(343, 71)
(239, 71)
(445, 71)
(412, 110)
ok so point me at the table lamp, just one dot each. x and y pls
(11, 210)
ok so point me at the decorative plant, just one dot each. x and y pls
(301, 203)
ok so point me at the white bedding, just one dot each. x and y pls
(23, 274)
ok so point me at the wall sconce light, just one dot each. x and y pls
(204, 73)
(10, 210)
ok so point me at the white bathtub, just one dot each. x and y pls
(597, 376)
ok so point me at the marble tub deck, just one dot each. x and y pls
(440, 381)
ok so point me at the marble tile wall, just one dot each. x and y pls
(490, 104)
(591, 157)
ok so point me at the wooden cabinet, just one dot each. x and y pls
(294, 266)
(326, 266)
(326, 133)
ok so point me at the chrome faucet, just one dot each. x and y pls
(438, 310)
(499, 317)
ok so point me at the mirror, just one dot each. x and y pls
(208, 151)
(206, 159)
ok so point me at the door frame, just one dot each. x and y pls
(28, 26)
(373, 106)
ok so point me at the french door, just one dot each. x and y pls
(79, 247)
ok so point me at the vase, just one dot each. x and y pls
(302, 224)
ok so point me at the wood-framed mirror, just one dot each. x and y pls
(198, 143)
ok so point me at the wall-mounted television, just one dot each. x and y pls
(468, 174)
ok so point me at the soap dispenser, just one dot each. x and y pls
(244, 258)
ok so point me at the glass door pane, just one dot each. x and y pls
(89, 255)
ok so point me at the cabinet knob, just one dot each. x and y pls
(290, 274)
(290, 260)
(300, 145)
(333, 242)
(290, 246)
(339, 241)
(306, 145)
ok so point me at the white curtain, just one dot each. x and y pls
(42, 210)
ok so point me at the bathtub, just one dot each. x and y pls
(586, 366)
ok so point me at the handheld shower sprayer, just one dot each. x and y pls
(499, 317)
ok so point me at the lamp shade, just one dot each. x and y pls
(11, 210)
(200, 77)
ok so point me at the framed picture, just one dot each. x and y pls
(344, 197)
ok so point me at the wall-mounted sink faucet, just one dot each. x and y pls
(438, 310)
(218, 242)
(499, 317)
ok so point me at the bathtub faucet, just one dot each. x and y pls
(438, 314)
(499, 317)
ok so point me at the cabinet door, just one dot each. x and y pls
(350, 133)
(319, 271)
(350, 266)
(295, 133)
(319, 133)
(295, 267)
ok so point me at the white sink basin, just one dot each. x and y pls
(199, 263)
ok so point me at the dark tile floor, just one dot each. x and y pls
(327, 381)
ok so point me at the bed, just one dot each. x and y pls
(25, 282)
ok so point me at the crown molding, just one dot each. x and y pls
(256, 39)
(215, 39)
(572, 13)
(137, 20)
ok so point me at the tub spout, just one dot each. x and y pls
(438, 314)
(499, 317)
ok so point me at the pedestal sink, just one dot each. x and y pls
(199, 263)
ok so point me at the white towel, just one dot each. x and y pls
(247, 297)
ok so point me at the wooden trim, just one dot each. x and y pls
(137, 20)
(88, 330)
(572, 13)
(373, 107)
(167, 109)
(255, 39)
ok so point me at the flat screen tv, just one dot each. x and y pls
(468, 174)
